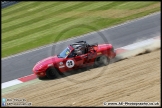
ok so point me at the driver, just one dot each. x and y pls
(79, 51)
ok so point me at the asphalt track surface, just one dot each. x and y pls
(119, 36)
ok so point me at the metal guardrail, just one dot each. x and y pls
(8, 3)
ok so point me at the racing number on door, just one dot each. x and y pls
(69, 63)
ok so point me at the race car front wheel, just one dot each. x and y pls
(52, 73)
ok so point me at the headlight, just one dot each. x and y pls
(50, 65)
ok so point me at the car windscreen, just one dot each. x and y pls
(64, 53)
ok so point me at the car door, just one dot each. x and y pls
(72, 61)
(80, 60)
(92, 54)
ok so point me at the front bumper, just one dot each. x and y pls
(40, 74)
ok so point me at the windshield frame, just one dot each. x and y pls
(64, 52)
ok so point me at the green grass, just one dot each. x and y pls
(28, 25)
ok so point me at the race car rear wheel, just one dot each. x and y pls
(102, 60)
(52, 73)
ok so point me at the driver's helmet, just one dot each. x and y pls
(79, 52)
(78, 49)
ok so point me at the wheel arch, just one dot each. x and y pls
(102, 55)
(50, 67)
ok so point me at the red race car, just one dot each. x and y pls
(75, 56)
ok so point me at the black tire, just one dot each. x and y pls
(96, 63)
(42, 78)
(52, 73)
(102, 60)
